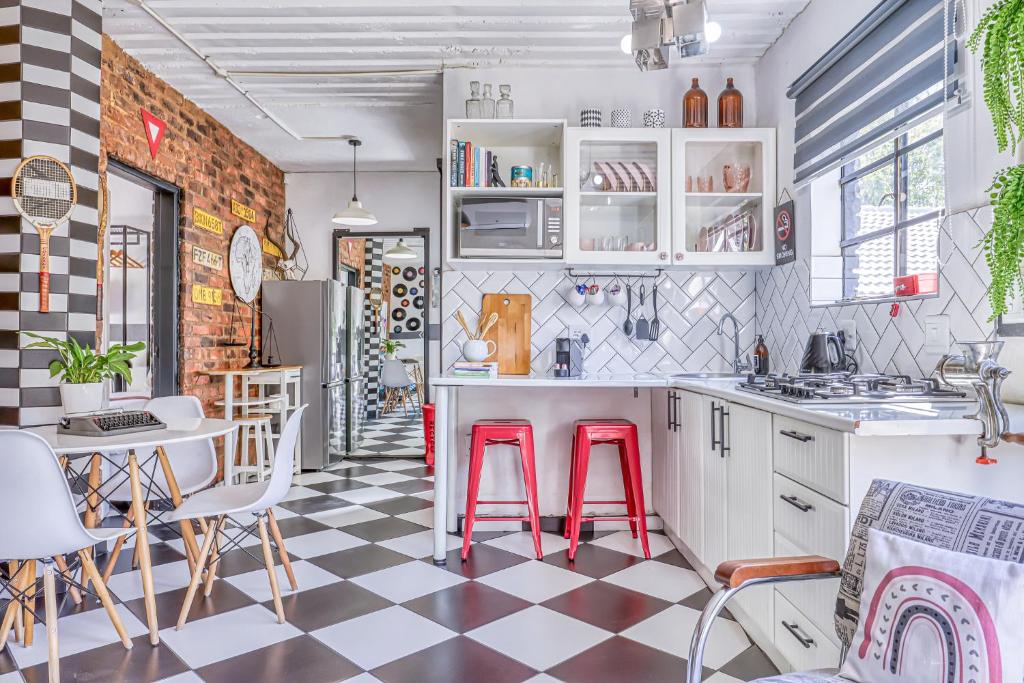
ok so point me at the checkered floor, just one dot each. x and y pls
(394, 436)
(372, 607)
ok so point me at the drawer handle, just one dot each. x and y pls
(794, 631)
(804, 438)
(797, 503)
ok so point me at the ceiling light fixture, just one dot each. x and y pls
(712, 31)
(354, 213)
(400, 252)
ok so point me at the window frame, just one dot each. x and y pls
(901, 150)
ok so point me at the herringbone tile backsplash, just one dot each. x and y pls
(690, 306)
(774, 302)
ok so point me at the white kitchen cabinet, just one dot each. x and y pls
(723, 197)
(716, 508)
(661, 436)
(691, 441)
(618, 200)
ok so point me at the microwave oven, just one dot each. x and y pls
(509, 227)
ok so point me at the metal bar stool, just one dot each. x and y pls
(505, 433)
(620, 433)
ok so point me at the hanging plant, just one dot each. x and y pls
(1000, 33)
(1004, 242)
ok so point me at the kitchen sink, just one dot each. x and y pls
(708, 375)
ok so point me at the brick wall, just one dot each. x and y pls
(211, 167)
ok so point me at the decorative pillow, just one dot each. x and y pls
(933, 615)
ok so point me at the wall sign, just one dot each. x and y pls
(206, 258)
(271, 248)
(154, 129)
(244, 212)
(785, 233)
(207, 221)
(209, 296)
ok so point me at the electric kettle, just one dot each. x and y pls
(824, 353)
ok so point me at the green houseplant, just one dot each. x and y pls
(82, 371)
(1000, 37)
(390, 347)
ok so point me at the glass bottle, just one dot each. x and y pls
(730, 107)
(504, 104)
(473, 110)
(695, 107)
(761, 356)
(487, 103)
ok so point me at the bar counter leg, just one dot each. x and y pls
(441, 464)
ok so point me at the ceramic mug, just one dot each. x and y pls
(654, 118)
(575, 297)
(478, 350)
(595, 296)
(622, 118)
(616, 295)
(590, 117)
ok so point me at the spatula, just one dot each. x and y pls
(627, 326)
(655, 323)
(643, 328)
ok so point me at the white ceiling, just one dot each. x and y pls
(311, 43)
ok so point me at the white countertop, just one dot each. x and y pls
(890, 419)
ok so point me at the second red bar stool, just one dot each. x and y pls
(620, 433)
(505, 433)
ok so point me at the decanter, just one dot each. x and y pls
(504, 104)
(487, 103)
(473, 103)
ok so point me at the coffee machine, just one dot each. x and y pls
(569, 356)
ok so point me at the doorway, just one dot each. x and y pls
(140, 276)
(392, 270)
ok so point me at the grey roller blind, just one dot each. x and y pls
(885, 73)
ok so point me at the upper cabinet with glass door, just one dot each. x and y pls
(723, 194)
(617, 198)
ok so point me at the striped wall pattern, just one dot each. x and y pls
(373, 278)
(49, 104)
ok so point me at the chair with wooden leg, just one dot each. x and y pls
(39, 521)
(257, 499)
(184, 469)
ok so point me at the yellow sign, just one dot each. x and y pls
(242, 211)
(207, 258)
(271, 248)
(207, 222)
(211, 296)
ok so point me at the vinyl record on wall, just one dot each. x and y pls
(422, 270)
(397, 329)
(409, 274)
(400, 290)
(414, 324)
(405, 303)
(414, 291)
(398, 314)
(395, 270)
(418, 302)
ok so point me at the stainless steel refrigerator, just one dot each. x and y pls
(319, 324)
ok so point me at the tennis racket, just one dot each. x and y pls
(44, 193)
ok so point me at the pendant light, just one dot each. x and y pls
(400, 252)
(354, 213)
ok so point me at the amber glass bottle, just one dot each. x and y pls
(761, 356)
(730, 107)
(695, 107)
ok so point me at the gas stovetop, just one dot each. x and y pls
(844, 387)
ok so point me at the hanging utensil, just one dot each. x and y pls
(490, 322)
(655, 323)
(627, 326)
(465, 326)
(643, 328)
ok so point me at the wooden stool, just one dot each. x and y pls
(258, 426)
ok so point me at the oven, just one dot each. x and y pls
(509, 227)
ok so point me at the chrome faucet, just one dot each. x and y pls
(739, 366)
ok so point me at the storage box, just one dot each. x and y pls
(918, 283)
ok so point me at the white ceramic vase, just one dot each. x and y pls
(82, 398)
(478, 350)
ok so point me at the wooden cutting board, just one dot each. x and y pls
(512, 331)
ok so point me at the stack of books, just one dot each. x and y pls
(470, 165)
(476, 370)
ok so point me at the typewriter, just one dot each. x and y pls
(109, 423)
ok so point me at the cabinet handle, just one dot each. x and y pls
(676, 400)
(794, 631)
(796, 435)
(797, 503)
(714, 441)
(663, 256)
(723, 413)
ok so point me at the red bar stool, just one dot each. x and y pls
(506, 433)
(621, 433)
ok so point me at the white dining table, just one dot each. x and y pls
(150, 445)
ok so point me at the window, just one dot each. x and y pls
(892, 199)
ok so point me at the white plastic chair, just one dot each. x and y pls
(39, 521)
(395, 378)
(194, 463)
(258, 499)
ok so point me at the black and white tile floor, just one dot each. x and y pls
(371, 606)
(395, 435)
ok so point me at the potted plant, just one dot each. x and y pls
(82, 371)
(390, 348)
(1000, 37)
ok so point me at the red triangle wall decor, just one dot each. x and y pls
(154, 129)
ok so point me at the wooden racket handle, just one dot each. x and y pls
(44, 267)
